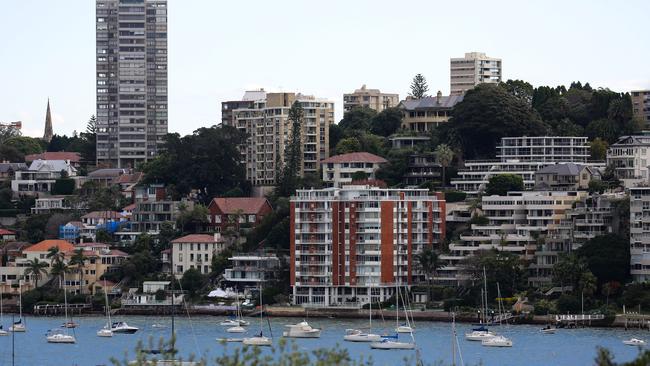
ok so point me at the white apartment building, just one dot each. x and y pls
(195, 251)
(555, 149)
(249, 270)
(264, 117)
(473, 69)
(640, 233)
(630, 157)
(517, 223)
(355, 243)
(339, 170)
(476, 174)
(369, 98)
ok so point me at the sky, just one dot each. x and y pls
(219, 49)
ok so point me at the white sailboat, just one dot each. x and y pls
(2, 321)
(358, 335)
(19, 326)
(499, 340)
(393, 342)
(106, 331)
(261, 339)
(58, 336)
(482, 333)
(301, 330)
(239, 322)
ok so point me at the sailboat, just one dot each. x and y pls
(106, 331)
(57, 336)
(2, 321)
(19, 326)
(259, 340)
(237, 327)
(499, 340)
(392, 342)
(357, 335)
(482, 333)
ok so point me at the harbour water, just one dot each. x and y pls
(198, 336)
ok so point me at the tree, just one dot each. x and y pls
(569, 270)
(348, 145)
(192, 281)
(444, 156)
(429, 263)
(386, 122)
(607, 257)
(288, 177)
(193, 220)
(393, 171)
(11, 154)
(501, 267)
(358, 118)
(54, 254)
(519, 89)
(7, 132)
(488, 113)
(103, 236)
(36, 269)
(25, 145)
(419, 87)
(59, 269)
(78, 260)
(336, 134)
(501, 184)
(598, 149)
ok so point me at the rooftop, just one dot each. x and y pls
(54, 155)
(355, 157)
(50, 165)
(198, 238)
(6, 232)
(444, 102)
(45, 245)
(562, 169)
(6, 167)
(236, 205)
(106, 173)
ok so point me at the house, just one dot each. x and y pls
(8, 170)
(52, 203)
(237, 212)
(630, 157)
(7, 235)
(101, 259)
(151, 295)
(565, 177)
(422, 168)
(249, 270)
(73, 157)
(424, 114)
(39, 251)
(41, 176)
(106, 177)
(149, 216)
(341, 169)
(195, 251)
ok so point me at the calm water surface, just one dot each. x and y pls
(198, 337)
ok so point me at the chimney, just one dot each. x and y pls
(438, 97)
(217, 236)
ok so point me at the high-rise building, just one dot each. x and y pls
(640, 233)
(371, 98)
(264, 117)
(359, 241)
(473, 69)
(48, 132)
(131, 38)
(641, 105)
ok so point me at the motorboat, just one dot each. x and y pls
(356, 335)
(122, 327)
(18, 328)
(234, 322)
(548, 330)
(479, 335)
(236, 329)
(3, 332)
(60, 337)
(69, 325)
(301, 330)
(259, 340)
(392, 343)
(497, 341)
(404, 329)
(105, 332)
(635, 342)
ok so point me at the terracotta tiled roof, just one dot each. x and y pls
(247, 205)
(355, 157)
(129, 178)
(197, 238)
(102, 215)
(45, 245)
(6, 232)
(58, 155)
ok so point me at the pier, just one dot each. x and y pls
(58, 309)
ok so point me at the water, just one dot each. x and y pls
(198, 337)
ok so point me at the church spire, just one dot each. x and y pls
(47, 136)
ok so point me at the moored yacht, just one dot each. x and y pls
(123, 327)
(357, 335)
(635, 342)
(56, 336)
(301, 330)
(497, 341)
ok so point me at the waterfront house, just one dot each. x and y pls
(195, 251)
(249, 270)
(340, 169)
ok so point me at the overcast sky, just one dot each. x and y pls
(219, 49)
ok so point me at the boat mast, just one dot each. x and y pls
(370, 325)
(65, 299)
(486, 296)
(171, 270)
(108, 308)
(20, 299)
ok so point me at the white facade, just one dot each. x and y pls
(640, 233)
(473, 69)
(630, 157)
(339, 170)
(544, 149)
(252, 269)
(41, 176)
(195, 252)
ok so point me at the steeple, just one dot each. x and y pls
(47, 136)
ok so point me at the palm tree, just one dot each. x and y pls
(444, 155)
(59, 268)
(78, 259)
(55, 254)
(429, 262)
(36, 269)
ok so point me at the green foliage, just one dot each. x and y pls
(444, 156)
(607, 257)
(7, 132)
(102, 236)
(63, 186)
(140, 266)
(33, 229)
(273, 230)
(288, 178)
(568, 304)
(358, 118)
(193, 281)
(359, 175)
(208, 159)
(97, 198)
(501, 267)
(478, 220)
(11, 154)
(419, 87)
(488, 113)
(393, 171)
(386, 122)
(25, 145)
(455, 196)
(503, 183)
(519, 89)
(36, 269)
(348, 145)
(605, 358)
(637, 294)
(192, 220)
(597, 186)
(598, 149)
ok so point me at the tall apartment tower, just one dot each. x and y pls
(370, 98)
(264, 117)
(131, 80)
(641, 106)
(473, 69)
